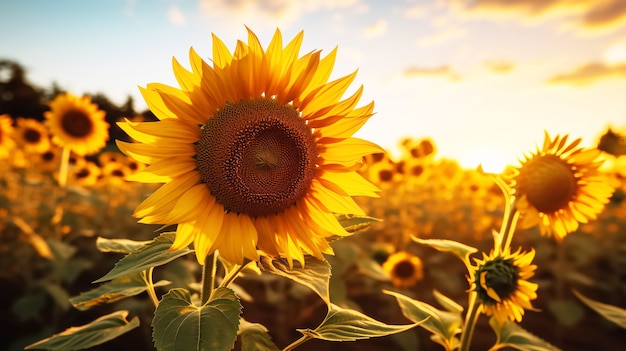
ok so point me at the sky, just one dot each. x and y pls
(482, 78)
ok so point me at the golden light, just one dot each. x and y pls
(491, 160)
(616, 53)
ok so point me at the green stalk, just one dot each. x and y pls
(297, 343)
(473, 312)
(147, 278)
(208, 277)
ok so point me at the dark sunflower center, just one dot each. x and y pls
(257, 157)
(83, 173)
(76, 123)
(404, 270)
(385, 175)
(32, 136)
(501, 276)
(548, 182)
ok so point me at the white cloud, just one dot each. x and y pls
(377, 29)
(175, 16)
(616, 53)
(441, 37)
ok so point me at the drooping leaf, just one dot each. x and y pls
(566, 311)
(447, 303)
(373, 269)
(460, 250)
(113, 291)
(155, 253)
(511, 335)
(178, 324)
(315, 274)
(119, 245)
(95, 333)
(353, 223)
(443, 325)
(609, 312)
(349, 325)
(255, 337)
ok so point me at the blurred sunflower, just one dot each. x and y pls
(404, 269)
(86, 174)
(77, 123)
(500, 280)
(7, 144)
(32, 135)
(560, 186)
(255, 151)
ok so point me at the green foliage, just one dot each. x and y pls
(511, 335)
(349, 325)
(178, 324)
(255, 337)
(609, 312)
(315, 274)
(114, 290)
(119, 245)
(155, 253)
(353, 223)
(97, 332)
(462, 251)
(443, 325)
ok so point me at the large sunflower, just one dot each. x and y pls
(560, 186)
(77, 123)
(255, 150)
(500, 280)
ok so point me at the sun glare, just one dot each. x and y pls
(491, 160)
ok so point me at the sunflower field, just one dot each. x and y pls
(240, 212)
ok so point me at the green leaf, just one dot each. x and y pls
(254, 337)
(511, 335)
(352, 223)
(113, 291)
(180, 325)
(567, 312)
(315, 274)
(609, 312)
(443, 325)
(155, 253)
(95, 333)
(447, 303)
(373, 269)
(119, 245)
(460, 250)
(349, 325)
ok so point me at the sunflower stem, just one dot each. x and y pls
(208, 277)
(473, 312)
(509, 223)
(65, 160)
(147, 278)
(297, 343)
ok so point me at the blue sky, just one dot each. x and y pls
(482, 78)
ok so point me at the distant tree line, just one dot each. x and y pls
(20, 98)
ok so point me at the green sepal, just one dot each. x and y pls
(180, 325)
(101, 330)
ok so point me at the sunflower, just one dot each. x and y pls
(255, 150)
(500, 281)
(404, 269)
(560, 186)
(75, 122)
(87, 174)
(32, 135)
(7, 144)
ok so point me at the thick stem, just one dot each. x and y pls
(147, 277)
(208, 277)
(473, 312)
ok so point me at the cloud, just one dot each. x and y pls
(444, 71)
(587, 16)
(276, 12)
(176, 16)
(441, 37)
(377, 29)
(500, 67)
(616, 52)
(417, 11)
(589, 73)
